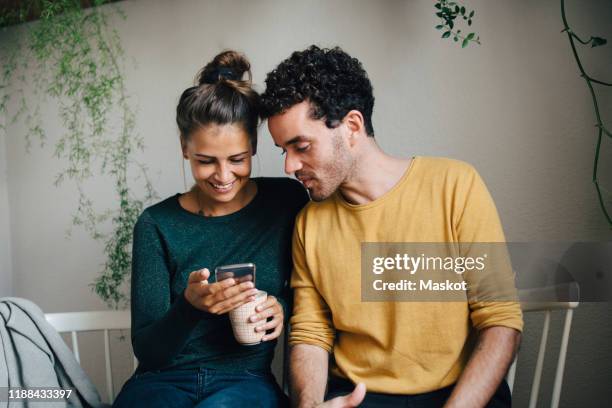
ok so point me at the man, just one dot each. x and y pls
(319, 107)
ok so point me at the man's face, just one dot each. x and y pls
(319, 156)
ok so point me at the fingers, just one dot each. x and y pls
(348, 401)
(198, 276)
(356, 397)
(223, 292)
(276, 323)
(245, 278)
(224, 306)
(219, 297)
(269, 308)
(196, 285)
(269, 302)
(203, 288)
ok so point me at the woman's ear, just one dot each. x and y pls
(184, 148)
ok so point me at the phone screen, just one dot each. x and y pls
(240, 272)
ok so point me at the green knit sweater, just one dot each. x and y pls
(171, 242)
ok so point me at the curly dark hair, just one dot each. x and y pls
(330, 79)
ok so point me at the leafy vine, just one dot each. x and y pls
(73, 56)
(448, 11)
(602, 130)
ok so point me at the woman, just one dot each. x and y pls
(181, 333)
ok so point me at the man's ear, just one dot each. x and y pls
(355, 124)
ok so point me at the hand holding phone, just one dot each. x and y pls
(219, 297)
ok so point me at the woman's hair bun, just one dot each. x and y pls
(226, 66)
(221, 96)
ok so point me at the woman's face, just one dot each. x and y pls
(220, 158)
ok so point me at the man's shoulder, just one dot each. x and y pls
(443, 172)
(444, 165)
(430, 169)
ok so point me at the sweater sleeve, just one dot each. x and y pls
(286, 302)
(478, 223)
(160, 329)
(299, 198)
(311, 321)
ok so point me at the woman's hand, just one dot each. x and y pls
(219, 297)
(269, 308)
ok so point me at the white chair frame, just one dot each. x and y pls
(530, 304)
(76, 322)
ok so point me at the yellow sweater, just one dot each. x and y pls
(393, 347)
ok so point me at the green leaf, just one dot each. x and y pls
(438, 6)
(472, 14)
(456, 38)
(451, 24)
(462, 10)
(446, 34)
(465, 43)
(470, 36)
(439, 27)
(598, 41)
(469, 22)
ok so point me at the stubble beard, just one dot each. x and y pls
(334, 172)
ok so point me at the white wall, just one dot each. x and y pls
(514, 107)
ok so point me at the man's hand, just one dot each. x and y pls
(308, 368)
(348, 401)
(219, 297)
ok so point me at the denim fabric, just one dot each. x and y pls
(201, 388)
(339, 386)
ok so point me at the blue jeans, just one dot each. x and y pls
(201, 388)
(434, 399)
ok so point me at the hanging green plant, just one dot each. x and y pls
(591, 82)
(448, 11)
(74, 56)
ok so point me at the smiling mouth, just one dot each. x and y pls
(222, 188)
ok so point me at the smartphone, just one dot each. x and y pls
(240, 272)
